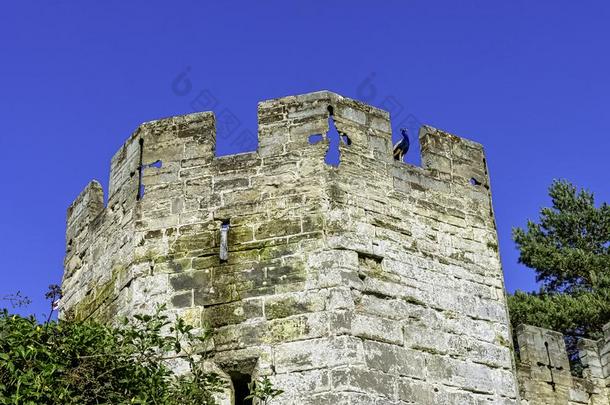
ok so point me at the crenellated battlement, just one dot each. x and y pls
(544, 369)
(183, 142)
(373, 280)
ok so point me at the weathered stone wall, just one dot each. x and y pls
(544, 370)
(371, 282)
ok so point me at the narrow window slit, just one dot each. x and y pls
(550, 365)
(140, 185)
(141, 166)
(224, 240)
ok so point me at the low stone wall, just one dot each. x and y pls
(544, 370)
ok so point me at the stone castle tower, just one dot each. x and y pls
(372, 282)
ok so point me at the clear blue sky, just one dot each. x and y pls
(529, 80)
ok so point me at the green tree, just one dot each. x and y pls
(69, 362)
(569, 249)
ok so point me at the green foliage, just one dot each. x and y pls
(262, 390)
(569, 249)
(580, 314)
(68, 362)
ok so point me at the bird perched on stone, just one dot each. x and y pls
(402, 147)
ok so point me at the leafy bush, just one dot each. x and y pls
(263, 390)
(68, 362)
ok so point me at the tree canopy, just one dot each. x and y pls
(569, 249)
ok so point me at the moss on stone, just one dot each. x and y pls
(412, 300)
(286, 330)
(99, 294)
(501, 340)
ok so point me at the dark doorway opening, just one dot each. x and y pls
(241, 389)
